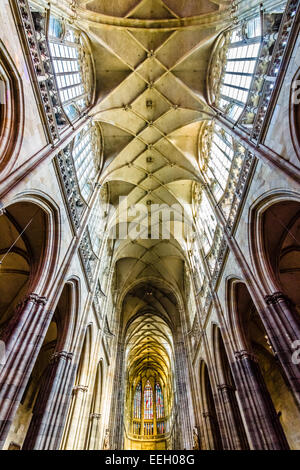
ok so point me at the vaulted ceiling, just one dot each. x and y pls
(148, 315)
(151, 59)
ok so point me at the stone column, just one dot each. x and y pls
(50, 409)
(23, 339)
(279, 318)
(181, 370)
(283, 328)
(210, 425)
(116, 422)
(78, 400)
(232, 418)
(263, 424)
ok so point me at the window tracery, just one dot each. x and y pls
(86, 155)
(72, 62)
(246, 62)
(94, 227)
(241, 58)
(148, 409)
(137, 402)
(148, 401)
(159, 402)
(206, 222)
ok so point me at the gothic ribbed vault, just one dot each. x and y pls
(151, 59)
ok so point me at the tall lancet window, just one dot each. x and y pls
(242, 55)
(219, 162)
(137, 401)
(148, 401)
(94, 227)
(72, 66)
(207, 223)
(85, 157)
(159, 402)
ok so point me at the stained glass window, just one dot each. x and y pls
(161, 429)
(159, 402)
(148, 401)
(137, 402)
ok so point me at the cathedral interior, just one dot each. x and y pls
(149, 224)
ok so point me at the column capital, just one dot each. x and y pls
(95, 416)
(80, 388)
(61, 354)
(275, 298)
(225, 387)
(36, 299)
(243, 354)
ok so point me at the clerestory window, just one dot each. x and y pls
(242, 55)
(71, 63)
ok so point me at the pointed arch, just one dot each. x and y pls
(11, 111)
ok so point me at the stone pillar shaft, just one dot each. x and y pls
(237, 439)
(183, 407)
(263, 424)
(23, 338)
(210, 430)
(283, 328)
(49, 413)
(94, 431)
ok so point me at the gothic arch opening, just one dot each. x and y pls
(23, 228)
(11, 111)
(150, 403)
(150, 382)
(281, 242)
